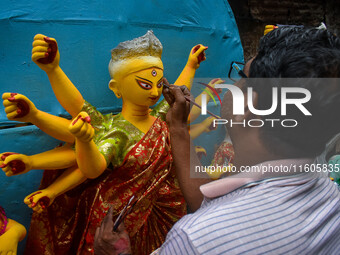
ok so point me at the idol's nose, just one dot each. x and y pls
(154, 92)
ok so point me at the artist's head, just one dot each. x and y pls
(293, 52)
(136, 70)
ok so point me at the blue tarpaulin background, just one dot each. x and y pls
(86, 31)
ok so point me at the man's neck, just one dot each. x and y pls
(249, 152)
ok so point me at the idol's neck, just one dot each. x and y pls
(135, 113)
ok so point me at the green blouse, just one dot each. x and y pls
(115, 136)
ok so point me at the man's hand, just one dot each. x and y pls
(40, 200)
(107, 242)
(180, 143)
(179, 111)
(18, 107)
(197, 55)
(45, 52)
(14, 163)
(81, 127)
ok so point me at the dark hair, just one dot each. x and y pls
(295, 52)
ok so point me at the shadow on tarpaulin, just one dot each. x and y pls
(86, 31)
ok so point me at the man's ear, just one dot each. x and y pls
(247, 113)
(113, 85)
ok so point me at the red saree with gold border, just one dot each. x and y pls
(69, 224)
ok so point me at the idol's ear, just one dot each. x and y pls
(113, 85)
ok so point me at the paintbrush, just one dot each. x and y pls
(124, 213)
(194, 103)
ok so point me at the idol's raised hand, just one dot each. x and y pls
(14, 163)
(45, 52)
(81, 127)
(46, 55)
(197, 55)
(18, 107)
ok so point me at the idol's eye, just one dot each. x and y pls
(159, 85)
(144, 85)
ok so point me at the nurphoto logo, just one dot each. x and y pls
(296, 96)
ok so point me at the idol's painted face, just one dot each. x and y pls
(143, 87)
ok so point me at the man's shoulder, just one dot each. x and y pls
(198, 229)
(213, 212)
(268, 216)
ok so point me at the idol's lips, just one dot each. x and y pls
(153, 98)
